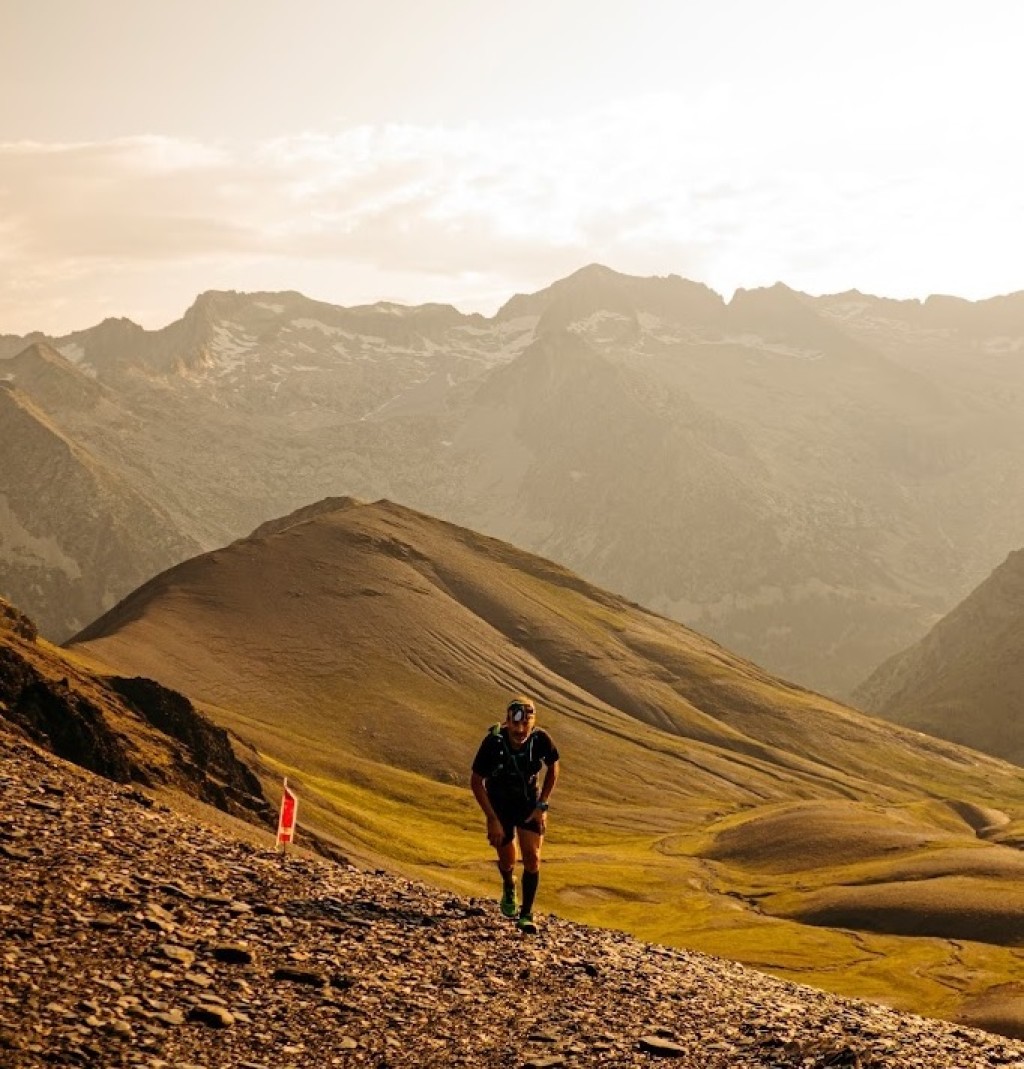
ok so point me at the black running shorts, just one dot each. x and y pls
(514, 816)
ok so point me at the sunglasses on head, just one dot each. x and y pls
(520, 712)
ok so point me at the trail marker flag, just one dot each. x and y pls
(287, 818)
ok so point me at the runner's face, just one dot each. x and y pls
(519, 730)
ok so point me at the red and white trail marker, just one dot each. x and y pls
(286, 819)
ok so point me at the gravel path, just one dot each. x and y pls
(132, 936)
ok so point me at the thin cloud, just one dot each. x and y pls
(463, 213)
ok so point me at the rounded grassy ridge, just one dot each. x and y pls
(364, 649)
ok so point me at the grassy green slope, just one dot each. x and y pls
(365, 650)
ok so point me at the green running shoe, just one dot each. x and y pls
(525, 924)
(508, 904)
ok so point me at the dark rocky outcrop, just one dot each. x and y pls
(207, 750)
(131, 730)
(68, 723)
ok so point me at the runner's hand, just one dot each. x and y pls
(541, 818)
(495, 832)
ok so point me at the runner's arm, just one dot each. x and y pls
(495, 831)
(478, 785)
(539, 815)
(550, 779)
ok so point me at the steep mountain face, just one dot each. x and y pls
(131, 730)
(53, 382)
(964, 680)
(813, 481)
(75, 532)
(364, 650)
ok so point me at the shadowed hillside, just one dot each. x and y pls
(132, 730)
(965, 679)
(365, 649)
(73, 530)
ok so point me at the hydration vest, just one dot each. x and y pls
(510, 772)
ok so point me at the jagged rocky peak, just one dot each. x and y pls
(779, 313)
(112, 336)
(431, 310)
(990, 318)
(588, 286)
(908, 306)
(205, 311)
(290, 304)
(676, 298)
(399, 324)
(186, 344)
(49, 378)
(268, 315)
(994, 318)
(104, 349)
(213, 303)
(766, 297)
(111, 331)
(216, 306)
(597, 290)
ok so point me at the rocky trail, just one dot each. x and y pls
(134, 936)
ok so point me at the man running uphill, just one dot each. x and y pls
(504, 783)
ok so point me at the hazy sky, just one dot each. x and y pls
(466, 150)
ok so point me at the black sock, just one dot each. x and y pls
(530, 881)
(508, 878)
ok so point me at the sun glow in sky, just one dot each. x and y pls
(466, 150)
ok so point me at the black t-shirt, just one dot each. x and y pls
(511, 775)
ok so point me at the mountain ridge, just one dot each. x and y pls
(49, 482)
(812, 480)
(359, 539)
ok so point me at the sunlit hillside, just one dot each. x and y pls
(364, 649)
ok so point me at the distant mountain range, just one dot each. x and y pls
(964, 680)
(363, 650)
(811, 481)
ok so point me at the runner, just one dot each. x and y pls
(504, 783)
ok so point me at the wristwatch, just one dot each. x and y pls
(543, 806)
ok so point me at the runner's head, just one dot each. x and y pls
(519, 718)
